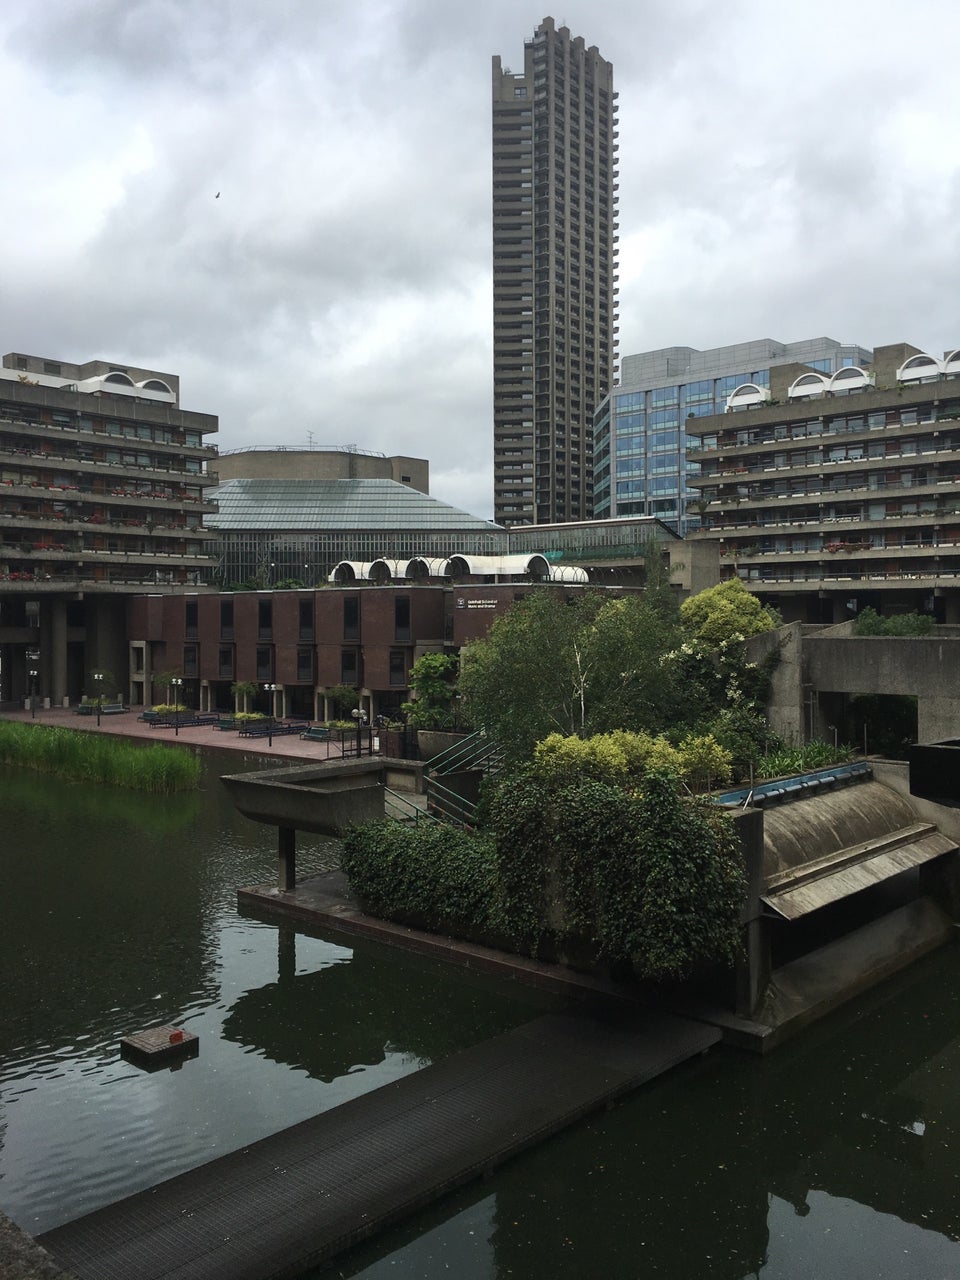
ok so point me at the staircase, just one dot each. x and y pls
(477, 754)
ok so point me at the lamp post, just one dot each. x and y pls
(273, 690)
(361, 718)
(33, 692)
(176, 684)
(98, 681)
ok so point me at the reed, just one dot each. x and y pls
(87, 757)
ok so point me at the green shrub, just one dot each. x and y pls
(704, 763)
(651, 876)
(870, 623)
(245, 717)
(622, 758)
(785, 760)
(430, 872)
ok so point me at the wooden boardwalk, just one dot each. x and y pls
(296, 1199)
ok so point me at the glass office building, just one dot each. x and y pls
(640, 439)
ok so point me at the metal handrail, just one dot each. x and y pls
(453, 808)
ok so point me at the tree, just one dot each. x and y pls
(579, 666)
(164, 680)
(344, 700)
(520, 682)
(726, 612)
(243, 691)
(432, 679)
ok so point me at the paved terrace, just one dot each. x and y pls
(126, 725)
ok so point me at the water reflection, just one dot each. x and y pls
(835, 1156)
(298, 1020)
(115, 920)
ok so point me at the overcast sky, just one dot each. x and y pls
(786, 170)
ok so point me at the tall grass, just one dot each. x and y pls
(87, 757)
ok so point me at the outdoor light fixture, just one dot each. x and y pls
(361, 718)
(98, 681)
(176, 684)
(33, 692)
(273, 690)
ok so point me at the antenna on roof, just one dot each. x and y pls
(309, 439)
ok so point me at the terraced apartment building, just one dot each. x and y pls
(103, 482)
(831, 493)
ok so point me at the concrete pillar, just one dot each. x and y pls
(286, 858)
(45, 638)
(58, 651)
(753, 970)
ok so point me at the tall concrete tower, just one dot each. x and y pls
(554, 274)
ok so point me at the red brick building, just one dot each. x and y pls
(306, 642)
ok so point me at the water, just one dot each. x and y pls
(836, 1156)
(119, 914)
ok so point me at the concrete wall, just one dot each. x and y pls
(926, 667)
(785, 707)
(323, 464)
(816, 662)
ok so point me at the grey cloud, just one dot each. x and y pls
(770, 184)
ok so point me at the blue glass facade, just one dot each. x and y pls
(640, 445)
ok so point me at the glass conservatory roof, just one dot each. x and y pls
(334, 504)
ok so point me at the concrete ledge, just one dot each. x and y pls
(821, 981)
(21, 1258)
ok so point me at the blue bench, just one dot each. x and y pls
(258, 730)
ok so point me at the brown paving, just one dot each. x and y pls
(126, 725)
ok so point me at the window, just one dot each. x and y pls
(305, 665)
(191, 660)
(401, 609)
(190, 619)
(398, 667)
(51, 368)
(225, 663)
(265, 620)
(351, 618)
(306, 619)
(226, 619)
(348, 666)
(265, 662)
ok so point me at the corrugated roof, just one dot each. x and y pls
(283, 505)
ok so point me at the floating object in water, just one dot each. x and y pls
(159, 1046)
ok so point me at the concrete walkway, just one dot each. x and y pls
(298, 1198)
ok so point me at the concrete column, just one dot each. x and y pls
(58, 651)
(45, 637)
(286, 858)
(753, 969)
